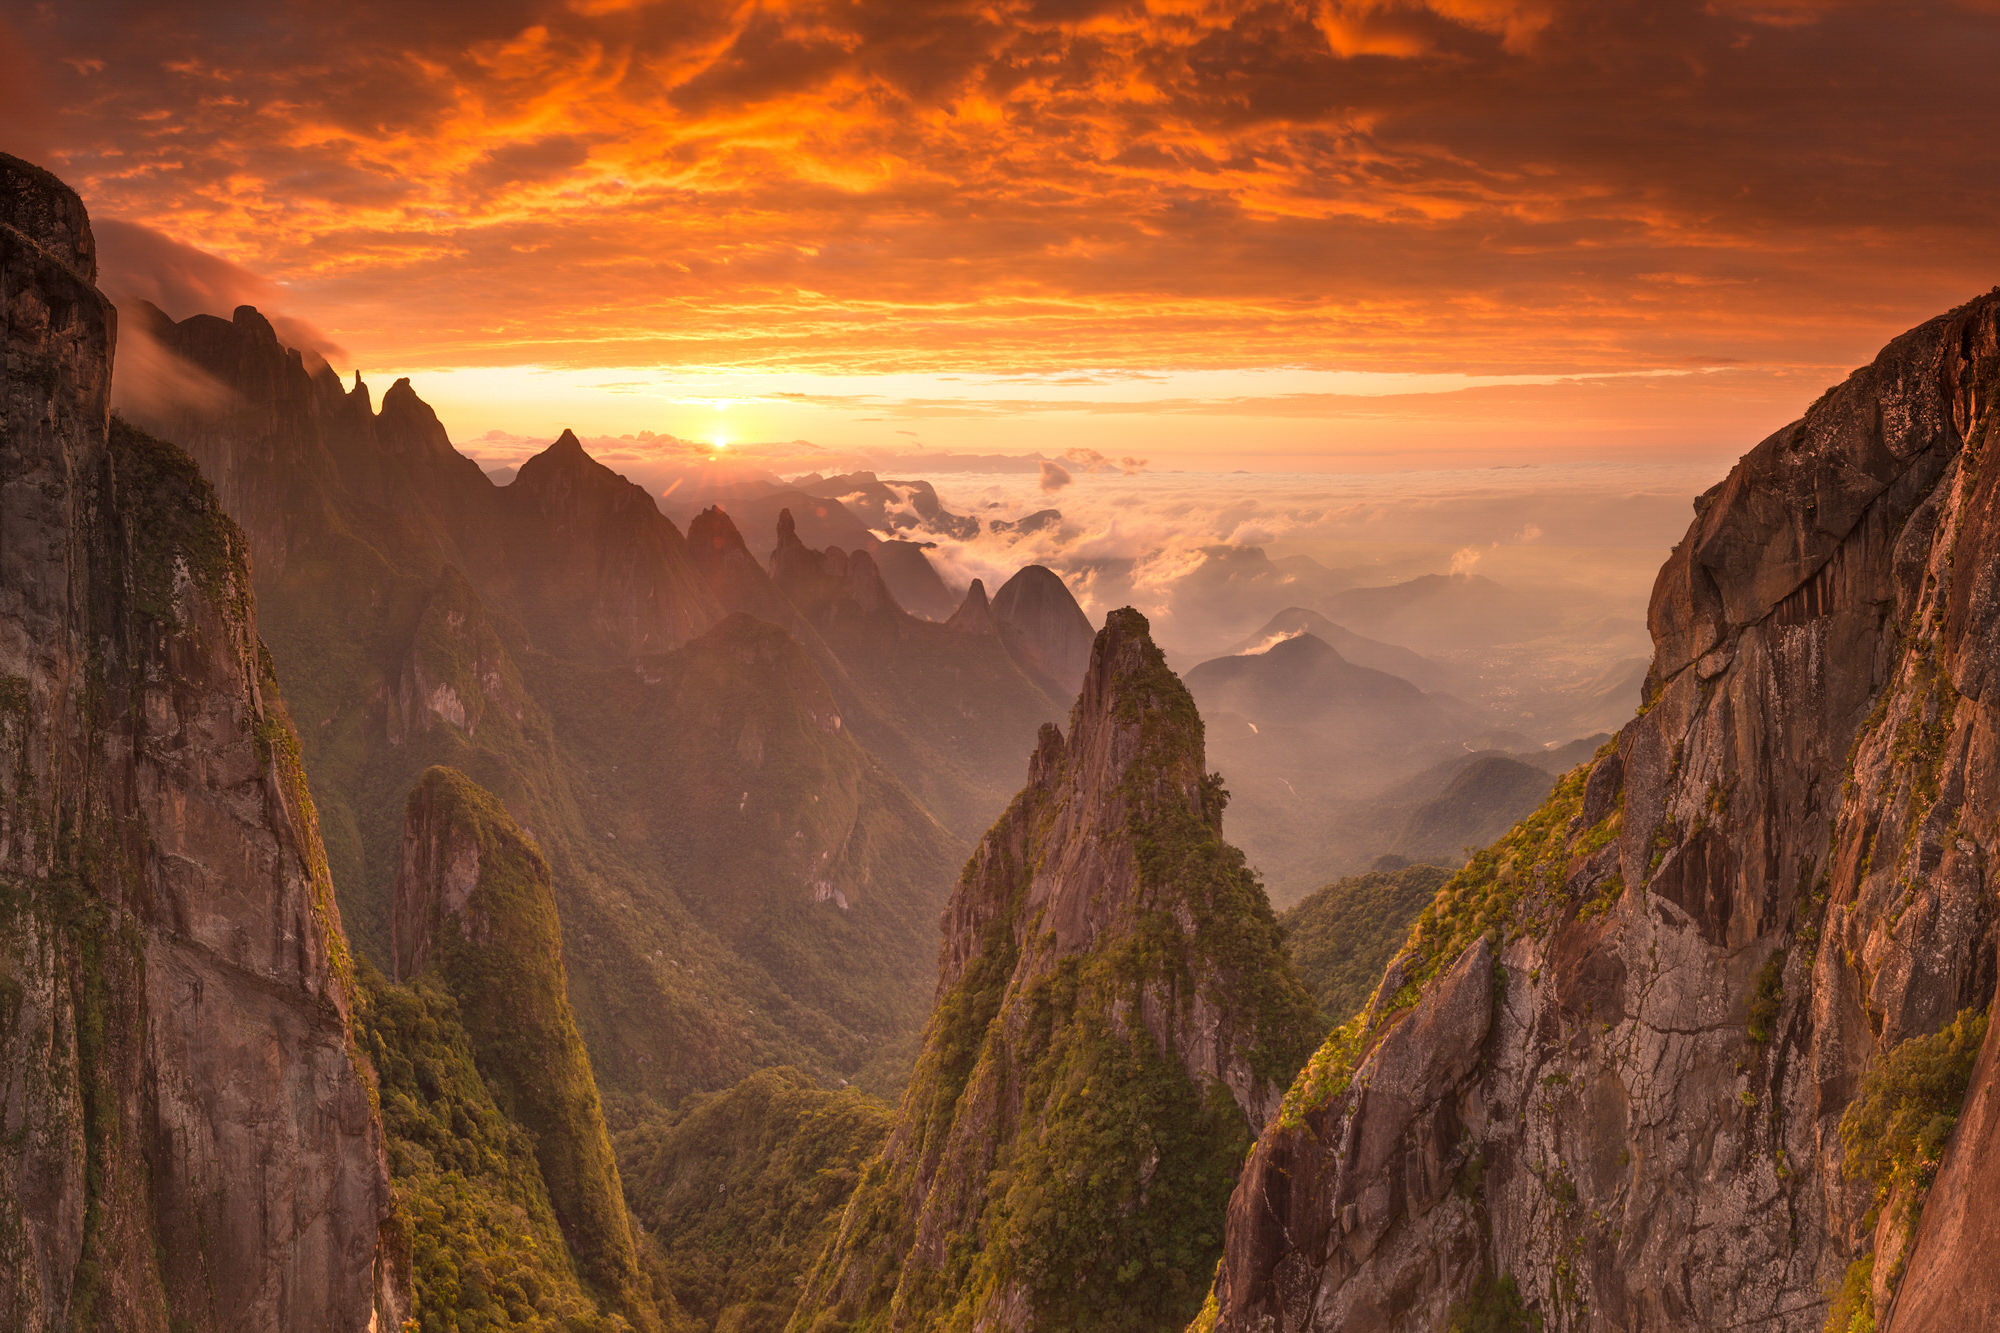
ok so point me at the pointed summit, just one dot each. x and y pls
(975, 613)
(734, 578)
(593, 559)
(713, 530)
(568, 458)
(1115, 1018)
(788, 530)
(407, 422)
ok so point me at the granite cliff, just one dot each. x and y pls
(1688, 1048)
(187, 1139)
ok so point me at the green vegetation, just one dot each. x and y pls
(1853, 1306)
(1515, 887)
(742, 1189)
(1079, 1224)
(486, 1252)
(1078, 1170)
(1893, 1135)
(1894, 1131)
(1766, 995)
(500, 955)
(1341, 936)
(176, 528)
(1495, 1307)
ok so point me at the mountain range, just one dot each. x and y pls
(738, 775)
(439, 904)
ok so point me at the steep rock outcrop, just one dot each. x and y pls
(475, 905)
(974, 614)
(1114, 1017)
(830, 584)
(1711, 948)
(735, 578)
(186, 1135)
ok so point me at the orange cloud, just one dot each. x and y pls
(1497, 186)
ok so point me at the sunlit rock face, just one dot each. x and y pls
(188, 1139)
(1605, 1081)
(1115, 1016)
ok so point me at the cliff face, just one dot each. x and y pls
(475, 905)
(1114, 1016)
(185, 1136)
(1684, 1049)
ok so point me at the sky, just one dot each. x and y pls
(1325, 234)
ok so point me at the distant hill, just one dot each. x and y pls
(1299, 680)
(1356, 648)
(1308, 742)
(1340, 936)
(1482, 800)
(1443, 612)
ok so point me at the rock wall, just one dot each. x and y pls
(186, 1136)
(1706, 944)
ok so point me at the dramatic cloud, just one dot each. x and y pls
(136, 264)
(1497, 187)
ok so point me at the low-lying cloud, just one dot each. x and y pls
(1210, 556)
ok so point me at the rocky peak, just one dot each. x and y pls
(1108, 960)
(733, 576)
(792, 561)
(592, 560)
(712, 531)
(566, 465)
(254, 328)
(975, 613)
(1043, 627)
(407, 420)
(475, 904)
(829, 584)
